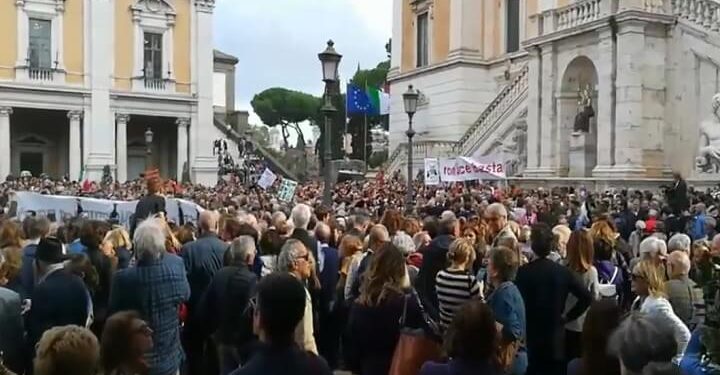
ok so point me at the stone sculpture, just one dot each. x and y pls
(585, 111)
(708, 159)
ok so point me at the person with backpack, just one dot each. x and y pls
(225, 306)
(580, 262)
(610, 276)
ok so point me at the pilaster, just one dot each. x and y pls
(74, 146)
(121, 122)
(5, 153)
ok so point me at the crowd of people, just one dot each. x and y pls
(472, 279)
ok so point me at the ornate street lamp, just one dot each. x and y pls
(410, 100)
(148, 148)
(330, 60)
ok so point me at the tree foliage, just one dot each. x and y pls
(361, 137)
(286, 108)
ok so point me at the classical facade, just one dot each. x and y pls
(82, 80)
(565, 90)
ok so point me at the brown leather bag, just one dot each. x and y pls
(507, 351)
(413, 349)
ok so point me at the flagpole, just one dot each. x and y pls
(365, 141)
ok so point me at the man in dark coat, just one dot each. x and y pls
(677, 195)
(328, 331)
(544, 286)
(60, 298)
(203, 258)
(36, 228)
(434, 260)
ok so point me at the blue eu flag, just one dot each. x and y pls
(357, 101)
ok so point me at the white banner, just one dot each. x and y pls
(432, 171)
(468, 169)
(59, 208)
(267, 179)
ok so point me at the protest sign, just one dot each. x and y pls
(287, 190)
(432, 172)
(267, 179)
(468, 169)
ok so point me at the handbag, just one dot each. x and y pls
(414, 346)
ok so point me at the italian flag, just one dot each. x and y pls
(380, 101)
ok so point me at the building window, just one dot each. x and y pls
(512, 26)
(153, 56)
(422, 40)
(40, 42)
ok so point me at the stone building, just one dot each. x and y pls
(82, 80)
(516, 77)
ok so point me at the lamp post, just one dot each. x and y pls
(330, 61)
(410, 100)
(148, 148)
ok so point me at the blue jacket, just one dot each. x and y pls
(459, 367)
(203, 258)
(328, 277)
(155, 289)
(691, 363)
(509, 309)
(27, 272)
(283, 361)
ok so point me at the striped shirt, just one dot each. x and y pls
(454, 288)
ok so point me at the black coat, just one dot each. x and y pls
(678, 198)
(434, 261)
(147, 206)
(287, 360)
(203, 258)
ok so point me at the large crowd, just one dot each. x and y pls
(467, 279)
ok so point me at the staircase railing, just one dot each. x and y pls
(276, 165)
(703, 13)
(421, 149)
(503, 103)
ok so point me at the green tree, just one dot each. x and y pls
(286, 108)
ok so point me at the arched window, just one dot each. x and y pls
(512, 25)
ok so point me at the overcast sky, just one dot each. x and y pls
(277, 41)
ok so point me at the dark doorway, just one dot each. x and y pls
(32, 162)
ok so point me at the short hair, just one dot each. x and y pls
(640, 225)
(117, 335)
(36, 227)
(448, 225)
(641, 342)
(360, 219)
(404, 243)
(541, 238)
(208, 220)
(281, 302)
(447, 214)
(461, 250)
(497, 209)
(301, 215)
(418, 239)
(474, 319)
(278, 219)
(322, 232)
(289, 253)
(240, 249)
(505, 262)
(653, 246)
(149, 239)
(67, 350)
(431, 226)
(378, 233)
(93, 233)
(680, 263)
(679, 241)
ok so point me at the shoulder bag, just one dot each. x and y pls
(414, 346)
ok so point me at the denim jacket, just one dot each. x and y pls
(509, 309)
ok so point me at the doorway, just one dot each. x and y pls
(32, 162)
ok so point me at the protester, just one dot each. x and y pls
(117, 242)
(496, 217)
(434, 260)
(155, 288)
(281, 306)
(580, 262)
(648, 284)
(223, 311)
(685, 297)
(544, 286)
(35, 229)
(679, 242)
(377, 238)
(455, 285)
(92, 234)
(645, 346)
(471, 343)
(67, 350)
(11, 249)
(374, 316)
(602, 319)
(11, 326)
(126, 341)
(329, 266)
(296, 260)
(508, 306)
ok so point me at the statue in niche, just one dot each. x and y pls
(585, 111)
(708, 159)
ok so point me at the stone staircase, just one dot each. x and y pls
(274, 164)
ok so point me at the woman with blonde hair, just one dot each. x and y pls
(117, 242)
(456, 285)
(580, 262)
(11, 247)
(67, 350)
(561, 234)
(648, 283)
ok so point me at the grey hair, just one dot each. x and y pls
(498, 209)
(240, 249)
(149, 239)
(404, 243)
(418, 239)
(653, 246)
(631, 343)
(288, 255)
(680, 241)
(300, 215)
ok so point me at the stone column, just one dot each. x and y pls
(605, 66)
(121, 121)
(548, 144)
(533, 116)
(464, 37)
(182, 145)
(629, 101)
(397, 36)
(22, 35)
(74, 146)
(5, 153)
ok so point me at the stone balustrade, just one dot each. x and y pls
(505, 101)
(577, 14)
(421, 149)
(703, 13)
